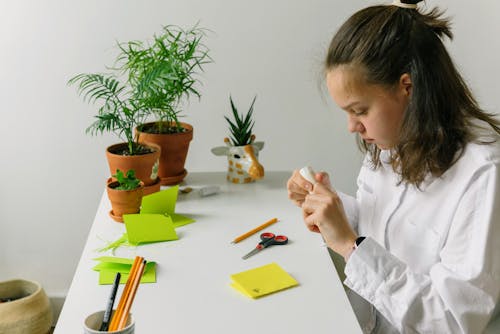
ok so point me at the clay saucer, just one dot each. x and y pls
(176, 179)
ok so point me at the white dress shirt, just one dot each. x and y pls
(430, 262)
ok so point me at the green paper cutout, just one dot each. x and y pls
(180, 220)
(108, 277)
(113, 245)
(109, 266)
(160, 202)
(143, 228)
(113, 259)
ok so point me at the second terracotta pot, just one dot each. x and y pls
(144, 165)
(174, 149)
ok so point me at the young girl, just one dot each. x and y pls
(421, 239)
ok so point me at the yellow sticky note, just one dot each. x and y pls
(262, 281)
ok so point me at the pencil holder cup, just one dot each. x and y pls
(93, 323)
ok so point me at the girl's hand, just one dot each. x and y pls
(323, 212)
(298, 187)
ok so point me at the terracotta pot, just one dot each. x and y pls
(174, 149)
(28, 312)
(144, 165)
(124, 201)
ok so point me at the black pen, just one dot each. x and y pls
(111, 302)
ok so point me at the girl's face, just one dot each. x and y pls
(375, 112)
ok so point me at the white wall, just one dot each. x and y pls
(52, 174)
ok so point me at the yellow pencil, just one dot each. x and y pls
(255, 230)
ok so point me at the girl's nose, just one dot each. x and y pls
(353, 125)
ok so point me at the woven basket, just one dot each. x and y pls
(29, 313)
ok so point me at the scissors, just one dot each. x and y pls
(268, 239)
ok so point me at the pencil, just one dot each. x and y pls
(109, 307)
(119, 309)
(255, 230)
(131, 296)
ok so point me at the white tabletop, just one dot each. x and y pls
(193, 294)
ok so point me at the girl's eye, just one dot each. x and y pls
(360, 112)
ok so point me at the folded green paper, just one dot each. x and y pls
(145, 228)
(108, 266)
(163, 202)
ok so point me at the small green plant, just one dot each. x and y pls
(241, 128)
(128, 181)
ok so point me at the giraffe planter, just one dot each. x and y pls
(244, 166)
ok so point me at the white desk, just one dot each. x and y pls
(192, 293)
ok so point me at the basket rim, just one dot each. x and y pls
(35, 284)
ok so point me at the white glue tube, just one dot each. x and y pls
(308, 173)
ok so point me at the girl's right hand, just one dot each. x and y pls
(298, 187)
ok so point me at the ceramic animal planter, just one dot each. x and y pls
(243, 163)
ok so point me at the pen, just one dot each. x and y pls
(255, 230)
(111, 301)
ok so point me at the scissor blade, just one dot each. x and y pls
(253, 252)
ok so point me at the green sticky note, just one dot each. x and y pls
(149, 275)
(161, 201)
(180, 220)
(144, 228)
(108, 266)
(113, 260)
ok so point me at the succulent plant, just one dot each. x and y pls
(241, 127)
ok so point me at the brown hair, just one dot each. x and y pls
(388, 41)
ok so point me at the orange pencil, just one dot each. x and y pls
(131, 296)
(255, 230)
(126, 290)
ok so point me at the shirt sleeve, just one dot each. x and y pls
(460, 292)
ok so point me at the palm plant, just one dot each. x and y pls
(164, 73)
(119, 113)
(241, 128)
(146, 80)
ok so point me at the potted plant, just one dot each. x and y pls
(164, 74)
(241, 150)
(125, 194)
(120, 112)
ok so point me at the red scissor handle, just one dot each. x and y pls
(266, 236)
(269, 239)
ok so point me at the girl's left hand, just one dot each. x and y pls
(323, 212)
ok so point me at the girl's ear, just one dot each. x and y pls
(405, 84)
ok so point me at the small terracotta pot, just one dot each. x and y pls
(29, 312)
(124, 201)
(174, 149)
(144, 165)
